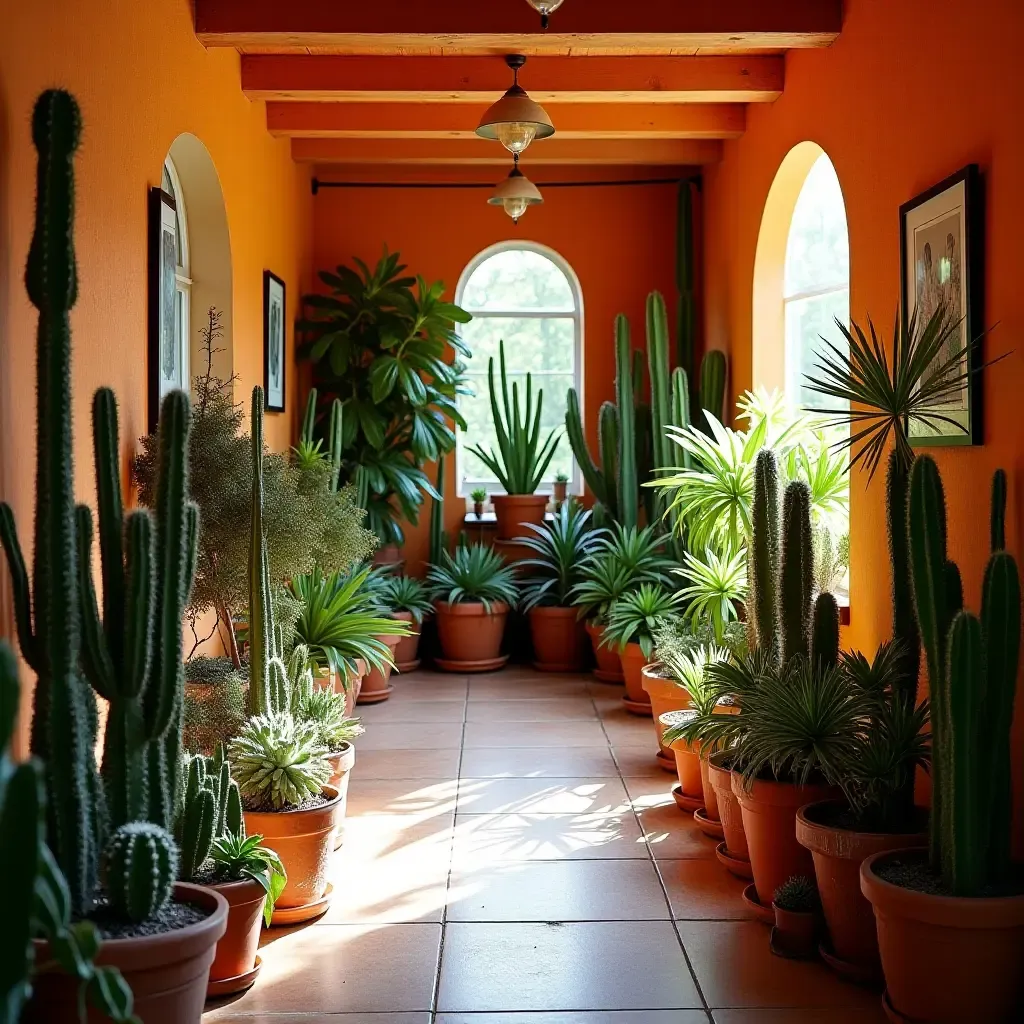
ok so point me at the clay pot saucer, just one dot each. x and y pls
(778, 948)
(407, 666)
(711, 828)
(232, 986)
(667, 761)
(685, 802)
(605, 676)
(374, 696)
(766, 915)
(737, 866)
(635, 707)
(484, 665)
(856, 973)
(892, 1013)
(298, 915)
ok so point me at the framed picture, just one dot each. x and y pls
(168, 305)
(941, 246)
(273, 342)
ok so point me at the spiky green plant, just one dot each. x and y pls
(798, 894)
(824, 638)
(406, 594)
(688, 668)
(326, 709)
(560, 549)
(796, 572)
(636, 615)
(211, 806)
(765, 539)
(474, 574)
(237, 857)
(141, 864)
(716, 585)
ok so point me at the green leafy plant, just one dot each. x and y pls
(237, 857)
(688, 668)
(214, 703)
(386, 346)
(522, 459)
(561, 477)
(478, 495)
(559, 550)
(475, 573)
(717, 583)
(636, 615)
(798, 895)
(407, 594)
(327, 711)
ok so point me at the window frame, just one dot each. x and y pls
(182, 272)
(465, 486)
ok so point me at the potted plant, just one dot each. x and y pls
(377, 683)
(113, 822)
(559, 549)
(561, 488)
(954, 911)
(522, 459)
(214, 703)
(795, 904)
(473, 593)
(407, 597)
(479, 496)
(632, 621)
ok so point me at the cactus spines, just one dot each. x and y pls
(628, 491)
(904, 619)
(141, 866)
(210, 808)
(796, 572)
(825, 632)
(262, 649)
(997, 519)
(712, 382)
(608, 450)
(335, 442)
(764, 552)
(681, 406)
(197, 832)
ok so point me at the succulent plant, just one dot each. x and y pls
(141, 865)
(475, 573)
(327, 711)
(211, 807)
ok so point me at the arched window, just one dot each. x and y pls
(182, 272)
(528, 296)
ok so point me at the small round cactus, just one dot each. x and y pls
(798, 895)
(141, 866)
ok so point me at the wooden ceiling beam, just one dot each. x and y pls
(481, 80)
(447, 121)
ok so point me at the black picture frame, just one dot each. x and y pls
(167, 363)
(275, 343)
(954, 201)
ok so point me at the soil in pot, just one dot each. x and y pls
(769, 823)
(609, 666)
(946, 959)
(795, 933)
(633, 661)
(729, 812)
(837, 847)
(559, 639)
(471, 636)
(513, 511)
(167, 972)
(407, 653)
(342, 763)
(303, 839)
(233, 969)
(377, 684)
(665, 695)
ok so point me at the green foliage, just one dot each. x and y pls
(559, 552)
(764, 554)
(141, 864)
(215, 705)
(278, 763)
(798, 895)
(406, 594)
(386, 346)
(478, 495)
(717, 583)
(522, 458)
(438, 537)
(636, 615)
(688, 666)
(824, 639)
(796, 571)
(210, 807)
(237, 858)
(327, 711)
(474, 574)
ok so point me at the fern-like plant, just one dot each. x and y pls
(474, 574)
(237, 857)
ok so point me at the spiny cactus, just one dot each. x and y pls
(626, 501)
(141, 866)
(798, 894)
(796, 573)
(210, 808)
(825, 631)
(764, 553)
(712, 382)
(904, 621)
(309, 441)
(686, 337)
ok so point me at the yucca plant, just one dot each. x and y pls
(475, 573)
(237, 857)
(406, 594)
(716, 584)
(560, 549)
(521, 460)
(326, 710)
(636, 615)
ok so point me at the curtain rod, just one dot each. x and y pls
(318, 184)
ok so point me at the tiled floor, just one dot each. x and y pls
(513, 856)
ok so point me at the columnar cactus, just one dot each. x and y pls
(796, 573)
(141, 866)
(904, 621)
(687, 319)
(627, 502)
(825, 631)
(764, 553)
(211, 808)
(712, 382)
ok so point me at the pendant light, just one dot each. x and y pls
(515, 120)
(516, 194)
(545, 8)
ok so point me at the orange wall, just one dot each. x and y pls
(909, 93)
(620, 242)
(141, 79)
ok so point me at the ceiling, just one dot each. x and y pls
(628, 83)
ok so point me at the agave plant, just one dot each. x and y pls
(636, 615)
(406, 594)
(475, 573)
(560, 550)
(717, 583)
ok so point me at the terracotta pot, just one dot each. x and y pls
(559, 639)
(325, 678)
(470, 635)
(513, 511)
(389, 554)
(167, 973)
(796, 932)
(837, 854)
(408, 649)
(769, 823)
(687, 758)
(303, 840)
(342, 763)
(377, 686)
(946, 959)
(710, 793)
(351, 686)
(664, 695)
(609, 667)
(233, 968)
(729, 812)
(633, 661)
(478, 509)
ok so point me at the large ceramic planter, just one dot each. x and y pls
(559, 639)
(837, 854)
(167, 973)
(665, 695)
(635, 697)
(946, 959)
(377, 683)
(609, 665)
(471, 636)
(769, 823)
(407, 652)
(342, 763)
(234, 967)
(303, 840)
(513, 511)
(733, 851)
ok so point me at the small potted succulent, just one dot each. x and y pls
(558, 551)
(474, 591)
(795, 904)
(408, 598)
(479, 498)
(561, 488)
(522, 459)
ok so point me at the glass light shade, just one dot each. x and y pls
(545, 8)
(517, 118)
(515, 207)
(516, 194)
(515, 136)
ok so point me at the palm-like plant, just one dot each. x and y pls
(717, 582)
(560, 550)
(521, 460)
(689, 669)
(635, 616)
(475, 573)
(406, 594)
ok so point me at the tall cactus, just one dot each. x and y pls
(307, 436)
(904, 621)
(661, 386)
(764, 553)
(210, 809)
(627, 501)
(712, 382)
(796, 573)
(825, 631)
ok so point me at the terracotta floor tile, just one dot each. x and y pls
(419, 765)
(425, 711)
(426, 682)
(542, 710)
(578, 966)
(225, 1017)
(481, 839)
(567, 890)
(546, 689)
(791, 1016)
(624, 729)
(736, 968)
(561, 1017)
(411, 736)
(540, 796)
(538, 762)
(364, 963)
(412, 797)
(650, 790)
(639, 759)
(671, 834)
(398, 888)
(610, 692)
(532, 734)
(701, 889)
(377, 837)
